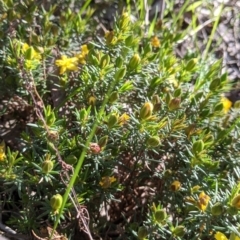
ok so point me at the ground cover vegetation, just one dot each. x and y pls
(118, 137)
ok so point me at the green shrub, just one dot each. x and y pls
(132, 137)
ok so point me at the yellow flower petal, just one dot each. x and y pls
(107, 181)
(220, 236)
(84, 50)
(66, 63)
(63, 70)
(25, 47)
(81, 58)
(203, 200)
(227, 104)
(2, 150)
(2, 156)
(123, 119)
(175, 186)
(34, 54)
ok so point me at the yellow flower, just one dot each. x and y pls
(2, 151)
(107, 181)
(34, 54)
(32, 57)
(203, 200)
(25, 47)
(2, 155)
(92, 100)
(227, 104)
(84, 50)
(123, 119)
(82, 56)
(31, 64)
(175, 186)
(66, 63)
(155, 42)
(220, 236)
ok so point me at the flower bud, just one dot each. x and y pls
(217, 209)
(214, 85)
(93, 59)
(153, 141)
(113, 97)
(236, 202)
(134, 62)
(47, 166)
(142, 232)
(155, 99)
(54, 29)
(120, 73)
(129, 41)
(158, 25)
(124, 21)
(51, 118)
(195, 188)
(160, 215)
(174, 104)
(53, 135)
(156, 102)
(179, 231)
(237, 104)
(99, 55)
(109, 36)
(119, 62)
(197, 147)
(168, 173)
(92, 100)
(56, 202)
(189, 130)
(94, 148)
(71, 159)
(146, 110)
(177, 92)
(191, 64)
(29, 54)
(232, 211)
(113, 119)
(105, 60)
(83, 115)
(218, 107)
(204, 113)
(103, 141)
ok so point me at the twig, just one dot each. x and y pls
(10, 232)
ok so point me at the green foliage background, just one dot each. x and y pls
(169, 170)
